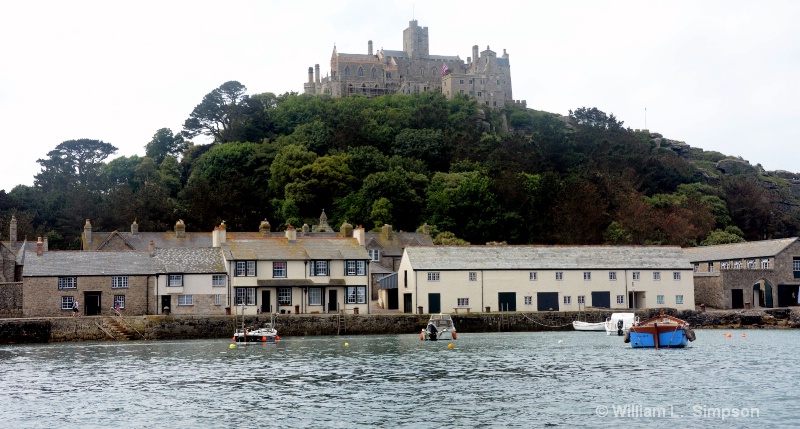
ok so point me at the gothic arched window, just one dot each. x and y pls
(360, 71)
(374, 73)
(347, 71)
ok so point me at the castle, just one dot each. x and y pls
(485, 76)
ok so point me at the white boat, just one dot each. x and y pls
(265, 334)
(440, 327)
(620, 323)
(588, 326)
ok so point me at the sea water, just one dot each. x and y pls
(544, 379)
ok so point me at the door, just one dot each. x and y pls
(601, 299)
(407, 303)
(767, 295)
(507, 301)
(91, 303)
(266, 303)
(332, 301)
(393, 299)
(166, 301)
(546, 301)
(434, 303)
(737, 298)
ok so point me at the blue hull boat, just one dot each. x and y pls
(662, 331)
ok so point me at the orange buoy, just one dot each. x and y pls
(234, 338)
(744, 335)
(421, 337)
(729, 335)
(264, 339)
(454, 335)
(277, 338)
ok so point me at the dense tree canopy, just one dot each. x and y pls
(474, 175)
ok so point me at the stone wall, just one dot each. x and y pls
(708, 291)
(43, 298)
(10, 300)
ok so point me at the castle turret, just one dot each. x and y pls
(415, 40)
(369, 47)
(311, 75)
(316, 73)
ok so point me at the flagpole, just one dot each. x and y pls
(645, 117)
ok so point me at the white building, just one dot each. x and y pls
(436, 279)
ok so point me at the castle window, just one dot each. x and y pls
(374, 73)
(470, 81)
(479, 93)
(388, 75)
(347, 71)
(408, 71)
(360, 71)
(421, 72)
(461, 81)
(433, 71)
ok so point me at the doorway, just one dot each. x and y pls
(434, 303)
(507, 301)
(601, 299)
(266, 303)
(166, 301)
(332, 301)
(737, 298)
(91, 303)
(392, 294)
(407, 303)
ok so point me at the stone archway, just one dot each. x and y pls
(763, 294)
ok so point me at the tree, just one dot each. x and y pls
(73, 162)
(163, 144)
(721, 237)
(222, 114)
(595, 118)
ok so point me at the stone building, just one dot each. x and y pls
(542, 278)
(755, 274)
(484, 76)
(386, 250)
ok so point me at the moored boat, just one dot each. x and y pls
(588, 326)
(440, 327)
(620, 323)
(265, 334)
(662, 331)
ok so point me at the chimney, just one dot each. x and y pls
(265, 227)
(316, 73)
(346, 230)
(45, 245)
(311, 75)
(219, 236)
(426, 229)
(369, 47)
(134, 227)
(39, 246)
(13, 237)
(360, 235)
(475, 58)
(180, 229)
(305, 229)
(152, 248)
(291, 233)
(87, 235)
(386, 230)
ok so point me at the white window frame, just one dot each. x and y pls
(567, 300)
(724, 265)
(175, 280)
(374, 255)
(660, 299)
(356, 294)
(676, 275)
(473, 276)
(433, 276)
(765, 264)
(656, 276)
(612, 276)
(678, 299)
(217, 299)
(581, 299)
(620, 299)
(710, 267)
(751, 264)
(245, 296)
(185, 300)
(528, 300)
(462, 302)
(795, 265)
(559, 276)
(636, 275)
(218, 280)
(67, 283)
(66, 302)
(737, 265)
(245, 269)
(533, 276)
(320, 268)
(119, 282)
(587, 276)
(280, 269)
(314, 296)
(119, 299)
(284, 296)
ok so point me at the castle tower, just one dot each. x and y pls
(369, 47)
(310, 75)
(415, 40)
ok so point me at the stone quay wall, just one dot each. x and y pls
(65, 329)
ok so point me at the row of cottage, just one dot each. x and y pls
(319, 270)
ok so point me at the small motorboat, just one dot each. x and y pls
(265, 334)
(620, 323)
(440, 327)
(662, 331)
(588, 326)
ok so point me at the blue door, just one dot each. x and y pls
(546, 301)
(434, 303)
(601, 299)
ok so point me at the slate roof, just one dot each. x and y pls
(394, 244)
(398, 54)
(546, 257)
(80, 263)
(141, 240)
(199, 261)
(300, 249)
(732, 251)
(445, 57)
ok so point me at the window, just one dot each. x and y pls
(636, 275)
(470, 81)
(314, 296)
(678, 299)
(356, 268)
(66, 302)
(319, 268)
(581, 299)
(724, 265)
(620, 299)
(374, 73)
(587, 275)
(218, 280)
(284, 296)
(461, 81)
(279, 269)
(68, 283)
(528, 300)
(710, 267)
(375, 255)
(796, 264)
(433, 276)
(473, 276)
(751, 264)
(479, 93)
(175, 280)
(185, 300)
(765, 264)
(533, 276)
(463, 302)
(659, 299)
(119, 282)
(217, 299)
(119, 301)
(245, 268)
(696, 268)
(737, 265)
(347, 71)
(656, 275)
(567, 300)
(559, 276)
(388, 75)
(356, 294)
(612, 276)
(676, 275)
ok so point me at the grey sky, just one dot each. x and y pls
(719, 75)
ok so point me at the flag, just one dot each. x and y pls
(444, 69)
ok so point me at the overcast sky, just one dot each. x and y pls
(718, 75)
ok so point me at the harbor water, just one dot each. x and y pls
(543, 379)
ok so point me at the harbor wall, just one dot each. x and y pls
(61, 329)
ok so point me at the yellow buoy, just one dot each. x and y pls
(347, 344)
(450, 346)
(232, 346)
